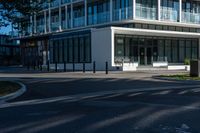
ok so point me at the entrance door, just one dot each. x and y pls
(145, 55)
(142, 55)
(149, 55)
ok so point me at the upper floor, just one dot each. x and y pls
(61, 15)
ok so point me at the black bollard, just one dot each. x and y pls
(48, 66)
(83, 67)
(94, 67)
(106, 67)
(56, 66)
(65, 67)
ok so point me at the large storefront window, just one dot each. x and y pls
(146, 50)
(74, 49)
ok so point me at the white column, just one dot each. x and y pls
(72, 17)
(134, 8)
(60, 19)
(85, 3)
(45, 22)
(49, 23)
(66, 19)
(159, 10)
(180, 10)
(111, 10)
(35, 23)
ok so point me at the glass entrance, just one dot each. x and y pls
(142, 56)
(145, 55)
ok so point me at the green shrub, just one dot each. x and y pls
(187, 61)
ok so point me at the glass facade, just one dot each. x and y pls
(170, 10)
(98, 12)
(66, 14)
(191, 11)
(71, 49)
(122, 9)
(147, 50)
(147, 9)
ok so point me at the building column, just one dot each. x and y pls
(159, 10)
(85, 3)
(45, 22)
(31, 24)
(72, 16)
(134, 8)
(180, 10)
(60, 18)
(66, 19)
(111, 10)
(49, 23)
(35, 23)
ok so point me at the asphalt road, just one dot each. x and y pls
(99, 104)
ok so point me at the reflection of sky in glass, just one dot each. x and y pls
(5, 30)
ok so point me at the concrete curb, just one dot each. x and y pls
(179, 80)
(14, 94)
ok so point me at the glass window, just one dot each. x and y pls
(181, 50)
(146, 9)
(175, 51)
(70, 50)
(119, 48)
(76, 47)
(138, 26)
(178, 28)
(168, 50)
(66, 50)
(82, 49)
(161, 50)
(152, 27)
(194, 49)
(60, 51)
(158, 27)
(87, 49)
(188, 49)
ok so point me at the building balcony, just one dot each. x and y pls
(55, 3)
(122, 13)
(40, 29)
(169, 14)
(188, 17)
(65, 1)
(78, 22)
(146, 12)
(99, 18)
(55, 26)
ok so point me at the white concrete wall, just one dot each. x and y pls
(102, 51)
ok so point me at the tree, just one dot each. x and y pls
(12, 11)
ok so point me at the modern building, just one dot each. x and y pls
(9, 51)
(128, 34)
